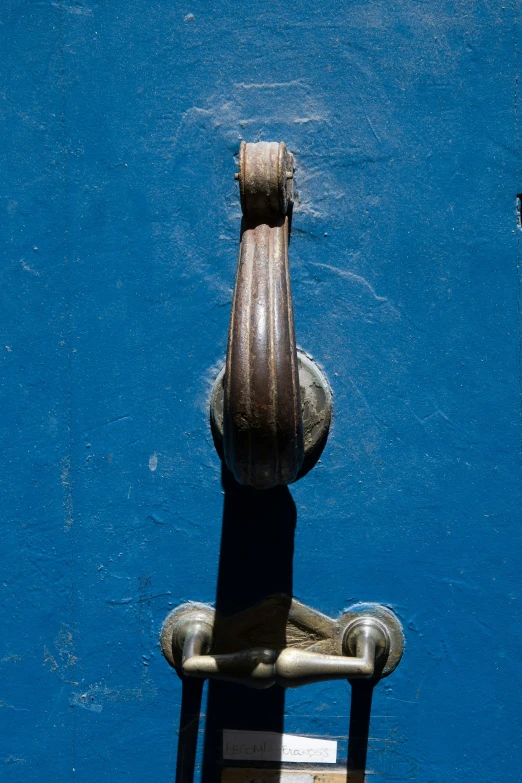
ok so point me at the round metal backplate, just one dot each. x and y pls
(390, 622)
(316, 404)
(190, 612)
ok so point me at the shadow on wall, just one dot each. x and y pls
(256, 561)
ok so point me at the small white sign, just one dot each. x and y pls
(295, 777)
(271, 746)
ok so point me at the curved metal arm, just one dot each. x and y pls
(255, 667)
(262, 428)
(292, 667)
(298, 667)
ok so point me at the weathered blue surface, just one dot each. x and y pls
(120, 223)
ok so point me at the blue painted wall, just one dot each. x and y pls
(120, 223)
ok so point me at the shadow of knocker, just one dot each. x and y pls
(359, 730)
(255, 562)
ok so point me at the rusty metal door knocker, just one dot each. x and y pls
(271, 404)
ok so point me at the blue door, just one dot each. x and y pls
(120, 229)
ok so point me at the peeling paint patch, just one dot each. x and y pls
(13, 658)
(67, 503)
(97, 696)
(77, 9)
(50, 661)
(25, 266)
(13, 760)
(63, 657)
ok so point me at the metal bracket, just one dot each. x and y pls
(282, 641)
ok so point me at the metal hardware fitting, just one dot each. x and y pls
(365, 643)
(271, 406)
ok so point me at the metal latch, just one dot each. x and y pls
(366, 642)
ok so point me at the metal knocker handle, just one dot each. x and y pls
(263, 429)
(266, 384)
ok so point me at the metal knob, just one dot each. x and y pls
(259, 400)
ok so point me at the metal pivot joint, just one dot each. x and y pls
(365, 643)
(271, 406)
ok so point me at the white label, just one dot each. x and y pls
(270, 746)
(295, 777)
